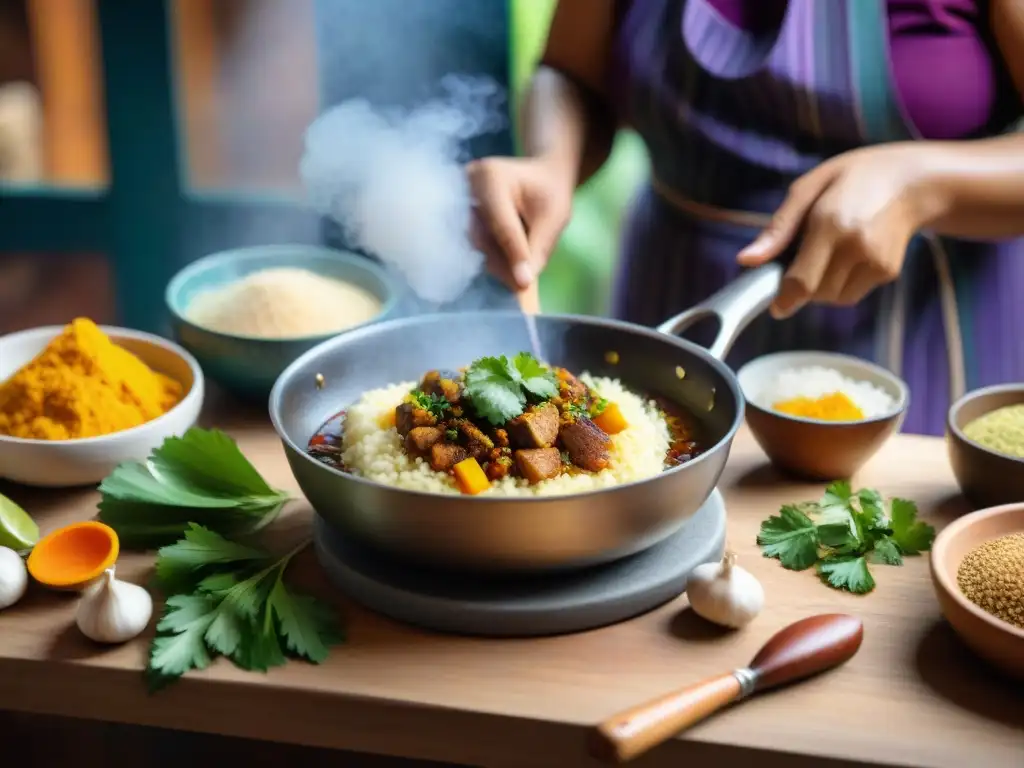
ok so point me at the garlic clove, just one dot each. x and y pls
(13, 577)
(113, 611)
(725, 593)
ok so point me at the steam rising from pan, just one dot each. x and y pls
(394, 180)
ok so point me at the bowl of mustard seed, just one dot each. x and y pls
(977, 566)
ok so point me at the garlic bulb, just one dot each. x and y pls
(113, 611)
(725, 593)
(13, 577)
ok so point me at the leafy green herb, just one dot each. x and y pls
(434, 404)
(500, 388)
(598, 406)
(201, 477)
(229, 599)
(844, 531)
(577, 410)
(452, 434)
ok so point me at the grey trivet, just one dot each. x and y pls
(531, 606)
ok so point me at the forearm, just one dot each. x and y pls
(566, 125)
(974, 188)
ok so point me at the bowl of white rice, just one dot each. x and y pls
(821, 415)
(246, 314)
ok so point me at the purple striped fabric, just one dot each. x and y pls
(731, 115)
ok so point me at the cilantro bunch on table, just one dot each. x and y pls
(500, 388)
(230, 599)
(844, 532)
(201, 477)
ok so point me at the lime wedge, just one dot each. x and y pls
(17, 530)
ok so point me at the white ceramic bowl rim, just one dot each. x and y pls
(948, 534)
(954, 410)
(824, 359)
(271, 253)
(115, 332)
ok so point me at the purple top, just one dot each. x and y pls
(948, 76)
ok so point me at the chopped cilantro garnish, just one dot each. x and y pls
(500, 388)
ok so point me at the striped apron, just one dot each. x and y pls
(731, 119)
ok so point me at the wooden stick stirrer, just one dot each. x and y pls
(802, 649)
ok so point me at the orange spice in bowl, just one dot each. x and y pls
(74, 556)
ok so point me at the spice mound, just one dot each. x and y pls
(832, 407)
(83, 385)
(992, 577)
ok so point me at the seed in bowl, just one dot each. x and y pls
(283, 302)
(992, 577)
(817, 392)
(1001, 430)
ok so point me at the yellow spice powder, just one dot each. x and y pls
(83, 385)
(992, 577)
(832, 407)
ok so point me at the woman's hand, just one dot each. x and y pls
(522, 206)
(856, 213)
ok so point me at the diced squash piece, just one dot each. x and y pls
(470, 477)
(387, 419)
(610, 420)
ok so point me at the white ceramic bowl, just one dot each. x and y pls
(65, 463)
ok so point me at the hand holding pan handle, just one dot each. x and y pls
(735, 306)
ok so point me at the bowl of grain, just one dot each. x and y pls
(821, 415)
(985, 440)
(977, 565)
(246, 314)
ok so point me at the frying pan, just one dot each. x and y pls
(522, 534)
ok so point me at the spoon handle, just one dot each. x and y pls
(637, 730)
(529, 299)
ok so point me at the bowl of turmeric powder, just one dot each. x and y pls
(77, 400)
(821, 415)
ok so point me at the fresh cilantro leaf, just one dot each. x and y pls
(790, 536)
(536, 378)
(210, 459)
(911, 535)
(308, 627)
(849, 573)
(181, 645)
(838, 494)
(836, 535)
(177, 564)
(240, 609)
(201, 477)
(872, 510)
(495, 395)
(886, 552)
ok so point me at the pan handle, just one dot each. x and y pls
(735, 306)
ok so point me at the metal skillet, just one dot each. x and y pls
(524, 534)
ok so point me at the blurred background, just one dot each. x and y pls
(135, 137)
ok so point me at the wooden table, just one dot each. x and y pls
(912, 696)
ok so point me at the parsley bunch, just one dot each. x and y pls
(230, 599)
(842, 533)
(500, 388)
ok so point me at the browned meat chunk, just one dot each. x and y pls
(478, 445)
(536, 464)
(586, 444)
(570, 387)
(537, 428)
(408, 416)
(420, 439)
(444, 384)
(444, 456)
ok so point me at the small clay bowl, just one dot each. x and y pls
(813, 449)
(993, 639)
(986, 478)
(73, 557)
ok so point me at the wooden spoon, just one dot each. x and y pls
(529, 299)
(802, 649)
